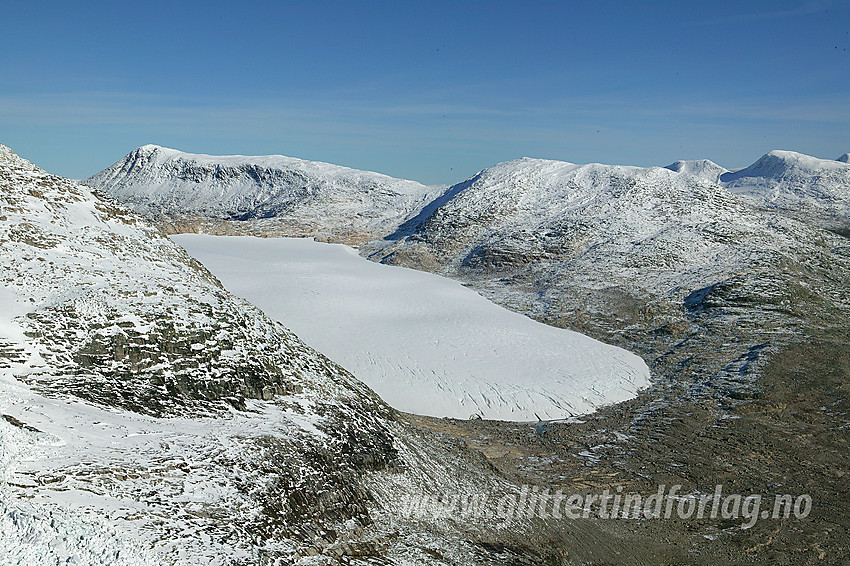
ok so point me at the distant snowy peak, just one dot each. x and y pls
(796, 182)
(11, 159)
(844, 158)
(313, 196)
(781, 164)
(701, 168)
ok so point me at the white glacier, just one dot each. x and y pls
(425, 344)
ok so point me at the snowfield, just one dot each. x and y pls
(425, 344)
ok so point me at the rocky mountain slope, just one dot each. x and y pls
(150, 417)
(736, 304)
(269, 193)
(613, 249)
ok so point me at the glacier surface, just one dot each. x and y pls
(424, 343)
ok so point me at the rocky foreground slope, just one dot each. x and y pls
(150, 417)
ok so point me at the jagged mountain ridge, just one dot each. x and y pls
(292, 194)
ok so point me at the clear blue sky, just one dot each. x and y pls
(432, 91)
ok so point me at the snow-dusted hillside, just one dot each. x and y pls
(150, 417)
(650, 228)
(425, 344)
(293, 195)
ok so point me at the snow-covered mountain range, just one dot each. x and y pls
(655, 227)
(298, 197)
